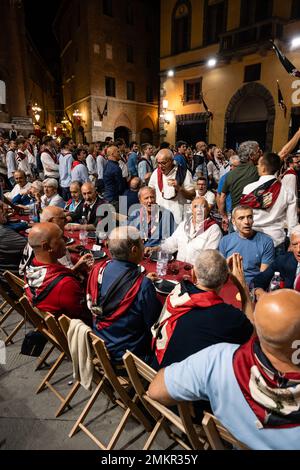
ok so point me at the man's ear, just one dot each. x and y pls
(194, 277)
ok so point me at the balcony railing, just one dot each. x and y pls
(250, 37)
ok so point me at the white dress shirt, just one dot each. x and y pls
(272, 221)
(51, 169)
(175, 205)
(189, 247)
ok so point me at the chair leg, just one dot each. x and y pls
(14, 332)
(6, 315)
(88, 407)
(51, 372)
(68, 399)
(2, 306)
(42, 360)
(119, 430)
(154, 433)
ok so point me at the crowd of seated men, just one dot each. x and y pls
(230, 216)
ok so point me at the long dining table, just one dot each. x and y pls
(228, 293)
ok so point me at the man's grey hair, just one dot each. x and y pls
(211, 269)
(121, 240)
(234, 158)
(240, 208)
(51, 182)
(38, 185)
(246, 149)
(144, 189)
(165, 151)
(296, 230)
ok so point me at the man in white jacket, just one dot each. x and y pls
(198, 232)
(49, 159)
(65, 165)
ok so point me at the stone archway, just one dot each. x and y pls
(257, 92)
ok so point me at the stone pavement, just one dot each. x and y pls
(27, 420)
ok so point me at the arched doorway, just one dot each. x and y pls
(250, 115)
(122, 132)
(146, 136)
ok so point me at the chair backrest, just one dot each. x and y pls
(138, 371)
(15, 283)
(119, 383)
(102, 361)
(37, 319)
(55, 329)
(217, 434)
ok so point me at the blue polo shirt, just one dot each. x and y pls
(209, 375)
(257, 250)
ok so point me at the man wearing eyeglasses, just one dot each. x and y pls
(173, 184)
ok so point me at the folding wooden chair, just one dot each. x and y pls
(218, 435)
(8, 306)
(120, 385)
(15, 283)
(139, 373)
(38, 320)
(11, 303)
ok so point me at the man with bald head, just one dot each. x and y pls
(51, 286)
(253, 389)
(199, 232)
(122, 299)
(173, 184)
(87, 210)
(112, 177)
(57, 216)
(153, 222)
(195, 316)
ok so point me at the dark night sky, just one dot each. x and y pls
(39, 25)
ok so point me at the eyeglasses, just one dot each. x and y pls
(164, 163)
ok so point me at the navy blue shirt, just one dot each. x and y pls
(132, 198)
(132, 330)
(286, 265)
(113, 181)
(203, 327)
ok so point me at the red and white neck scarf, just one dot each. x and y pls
(105, 316)
(201, 228)
(169, 192)
(178, 303)
(147, 230)
(273, 397)
(75, 163)
(40, 276)
(20, 156)
(289, 171)
(52, 155)
(263, 197)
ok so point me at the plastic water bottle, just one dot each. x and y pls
(162, 263)
(276, 282)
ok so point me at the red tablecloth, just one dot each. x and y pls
(228, 293)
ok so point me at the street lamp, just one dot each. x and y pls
(295, 42)
(36, 109)
(212, 62)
